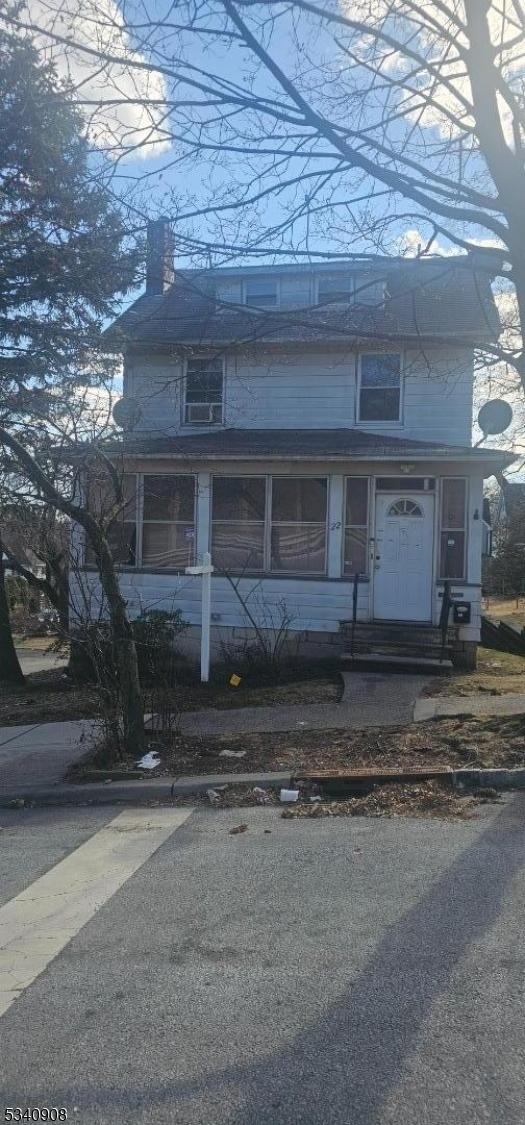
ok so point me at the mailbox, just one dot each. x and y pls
(462, 613)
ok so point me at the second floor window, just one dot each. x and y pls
(204, 390)
(380, 387)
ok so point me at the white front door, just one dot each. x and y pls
(403, 557)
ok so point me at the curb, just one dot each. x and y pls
(489, 779)
(136, 792)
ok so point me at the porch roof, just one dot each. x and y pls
(295, 445)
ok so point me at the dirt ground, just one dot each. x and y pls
(51, 697)
(497, 674)
(46, 697)
(483, 742)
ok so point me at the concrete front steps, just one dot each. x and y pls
(396, 647)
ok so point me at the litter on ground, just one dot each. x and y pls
(150, 761)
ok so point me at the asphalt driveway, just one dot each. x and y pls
(363, 971)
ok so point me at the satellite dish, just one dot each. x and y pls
(126, 413)
(495, 416)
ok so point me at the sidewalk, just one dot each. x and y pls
(40, 755)
(436, 708)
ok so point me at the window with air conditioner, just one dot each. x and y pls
(204, 391)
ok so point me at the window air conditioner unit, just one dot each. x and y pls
(203, 412)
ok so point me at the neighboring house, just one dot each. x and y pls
(306, 423)
(25, 556)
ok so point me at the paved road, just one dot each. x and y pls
(366, 971)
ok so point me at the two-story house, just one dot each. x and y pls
(306, 423)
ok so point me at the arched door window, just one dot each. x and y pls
(405, 508)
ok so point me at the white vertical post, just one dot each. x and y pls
(206, 617)
(205, 571)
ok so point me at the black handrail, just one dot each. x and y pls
(446, 606)
(355, 593)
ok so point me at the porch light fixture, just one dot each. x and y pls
(406, 468)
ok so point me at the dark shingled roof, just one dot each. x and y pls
(295, 444)
(424, 300)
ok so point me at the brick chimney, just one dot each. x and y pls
(160, 268)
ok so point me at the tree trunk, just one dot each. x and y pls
(10, 670)
(125, 655)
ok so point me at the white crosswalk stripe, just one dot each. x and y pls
(37, 924)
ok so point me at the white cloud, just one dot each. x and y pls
(431, 34)
(98, 24)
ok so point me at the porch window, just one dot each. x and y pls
(238, 523)
(356, 526)
(380, 387)
(122, 531)
(265, 524)
(453, 527)
(168, 526)
(298, 524)
(204, 390)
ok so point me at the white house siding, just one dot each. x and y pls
(316, 606)
(157, 384)
(306, 391)
(314, 389)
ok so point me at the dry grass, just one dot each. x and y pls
(46, 697)
(50, 697)
(505, 607)
(484, 742)
(498, 673)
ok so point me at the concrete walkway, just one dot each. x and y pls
(369, 700)
(469, 705)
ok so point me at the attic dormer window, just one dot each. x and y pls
(204, 391)
(261, 292)
(334, 290)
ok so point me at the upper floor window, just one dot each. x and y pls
(261, 292)
(333, 290)
(380, 387)
(204, 390)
